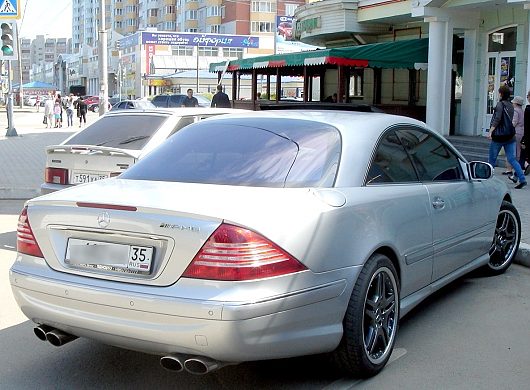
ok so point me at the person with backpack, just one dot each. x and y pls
(502, 135)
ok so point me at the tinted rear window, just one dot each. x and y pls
(270, 153)
(120, 131)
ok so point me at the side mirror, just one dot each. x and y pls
(480, 170)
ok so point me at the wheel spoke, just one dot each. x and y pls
(504, 224)
(370, 339)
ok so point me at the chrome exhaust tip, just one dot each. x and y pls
(172, 363)
(41, 330)
(57, 338)
(201, 366)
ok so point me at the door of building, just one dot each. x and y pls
(501, 68)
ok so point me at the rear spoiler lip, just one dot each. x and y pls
(92, 149)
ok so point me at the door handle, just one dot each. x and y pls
(438, 203)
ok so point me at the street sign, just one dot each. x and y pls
(9, 9)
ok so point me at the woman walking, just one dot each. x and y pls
(518, 123)
(501, 141)
(81, 111)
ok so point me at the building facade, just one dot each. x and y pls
(474, 47)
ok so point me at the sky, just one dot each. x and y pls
(52, 18)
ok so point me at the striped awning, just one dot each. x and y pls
(398, 54)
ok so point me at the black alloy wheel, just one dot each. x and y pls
(505, 239)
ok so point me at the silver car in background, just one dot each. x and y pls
(263, 235)
(114, 142)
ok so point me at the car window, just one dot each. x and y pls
(120, 131)
(121, 105)
(391, 163)
(277, 153)
(433, 160)
(175, 100)
(160, 100)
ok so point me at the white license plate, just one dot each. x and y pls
(109, 256)
(85, 177)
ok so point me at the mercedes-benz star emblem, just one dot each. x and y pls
(104, 219)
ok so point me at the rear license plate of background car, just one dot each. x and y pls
(84, 177)
(99, 253)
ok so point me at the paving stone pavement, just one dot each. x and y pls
(22, 162)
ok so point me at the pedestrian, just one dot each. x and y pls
(507, 142)
(70, 110)
(518, 123)
(81, 110)
(190, 101)
(525, 141)
(48, 111)
(57, 113)
(37, 102)
(220, 99)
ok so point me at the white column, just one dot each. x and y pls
(439, 76)
(470, 100)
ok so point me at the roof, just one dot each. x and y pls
(412, 53)
(37, 85)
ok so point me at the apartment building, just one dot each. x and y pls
(35, 53)
(127, 18)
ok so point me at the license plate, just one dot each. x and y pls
(85, 177)
(109, 256)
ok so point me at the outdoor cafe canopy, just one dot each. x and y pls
(412, 54)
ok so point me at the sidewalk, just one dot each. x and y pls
(22, 162)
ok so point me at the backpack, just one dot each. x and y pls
(505, 130)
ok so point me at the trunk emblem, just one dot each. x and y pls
(104, 219)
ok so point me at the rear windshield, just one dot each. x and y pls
(120, 131)
(248, 152)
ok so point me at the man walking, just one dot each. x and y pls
(220, 99)
(190, 101)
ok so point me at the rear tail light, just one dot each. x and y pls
(235, 253)
(56, 175)
(26, 242)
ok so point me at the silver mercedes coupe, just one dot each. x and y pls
(263, 235)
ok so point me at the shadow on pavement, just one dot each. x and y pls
(8, 241)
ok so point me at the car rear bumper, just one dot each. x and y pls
(298, 323)
(46, 188)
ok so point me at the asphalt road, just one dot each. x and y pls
(473, 334)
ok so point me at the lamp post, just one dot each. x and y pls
(103, 74)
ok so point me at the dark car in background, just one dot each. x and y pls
(176, 100)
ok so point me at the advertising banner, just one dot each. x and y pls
(285, 40)
(196, 39)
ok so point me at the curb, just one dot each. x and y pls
(523, 255)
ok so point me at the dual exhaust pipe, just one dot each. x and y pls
(196, 365)
(54, 336)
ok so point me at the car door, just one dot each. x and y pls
(460, 232)
(403, 210)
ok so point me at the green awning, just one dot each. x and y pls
(411, 54)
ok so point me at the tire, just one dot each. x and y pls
(505, 240)
(370, 324)
(96, 109)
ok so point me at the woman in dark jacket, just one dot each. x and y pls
(525, 141)
(497, 142)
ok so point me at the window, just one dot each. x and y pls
(128, 131)
(152, 12)
(232, 52)
(356, 83)
(290, 8)
(208, 51)
(391, 163)
(182, 51)
(263, 6)
(272, 153)
(213, 11)
(215, 28)
(257, 27)
(433, 160)
(191, 14)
